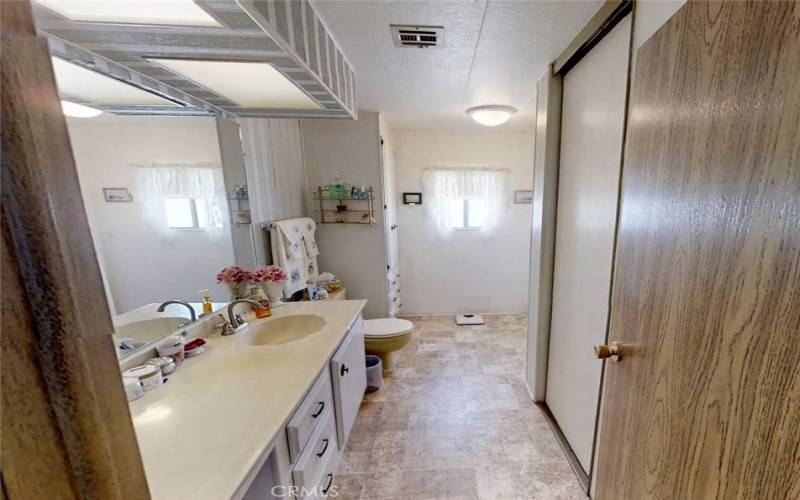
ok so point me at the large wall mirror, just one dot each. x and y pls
(168, 208)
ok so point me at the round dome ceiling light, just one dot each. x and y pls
(76, 110)
(492, 115)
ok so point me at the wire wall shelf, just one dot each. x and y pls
(344, 207)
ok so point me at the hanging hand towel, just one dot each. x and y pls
(289, 251)
(310, 227)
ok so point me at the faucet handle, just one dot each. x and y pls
(226, 328)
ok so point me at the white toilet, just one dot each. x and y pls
(384, 336)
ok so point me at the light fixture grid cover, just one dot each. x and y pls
(134, 12)
(220, 77)
(83, 85)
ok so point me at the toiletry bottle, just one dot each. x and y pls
(207, 306)
(336, 189)
(257, 294)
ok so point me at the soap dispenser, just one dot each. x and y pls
(257, 294)
(208, 307)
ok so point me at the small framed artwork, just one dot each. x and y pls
(117, 195)
(412, 198)
(523, 197)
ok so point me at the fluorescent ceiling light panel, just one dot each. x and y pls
(248, 84)
(155, 12)
(92, 87)
(76, 110)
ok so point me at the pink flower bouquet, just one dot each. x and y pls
(270, 274)
(234, 275)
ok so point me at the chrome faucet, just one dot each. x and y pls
(236, 320)
(225, 328)
(186, 304)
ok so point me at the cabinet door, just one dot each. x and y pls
(349, 375)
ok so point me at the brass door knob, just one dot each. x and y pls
(613, 351)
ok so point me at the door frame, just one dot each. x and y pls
(65, 414)
(545, 207)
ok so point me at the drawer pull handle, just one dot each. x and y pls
(328, 487)
(324, 448)
(344, 370)
(319, 412)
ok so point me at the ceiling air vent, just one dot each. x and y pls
(417, 36)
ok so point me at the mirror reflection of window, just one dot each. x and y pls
(181, 213)
(188, 213)
(184, 196)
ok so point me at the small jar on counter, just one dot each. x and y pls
(133, 388)
(165, 363)
(149, 375)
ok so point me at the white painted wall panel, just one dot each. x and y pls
(468, 272)
(354, 252)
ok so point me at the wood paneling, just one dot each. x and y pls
(706, 402)
(66, 428)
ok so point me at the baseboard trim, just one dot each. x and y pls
(530, 392)
(577, 468)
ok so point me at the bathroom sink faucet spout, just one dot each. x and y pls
(234, 319)
(192, 314)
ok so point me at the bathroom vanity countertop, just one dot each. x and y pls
(203, 432)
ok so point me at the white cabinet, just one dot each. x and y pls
(349, 376)
(303, 462)
(312, 466)
(315, 408)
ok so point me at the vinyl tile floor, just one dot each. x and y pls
(454, 421)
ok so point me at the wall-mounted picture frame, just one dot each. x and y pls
(117, 195)
(412, 198)
(523, 197)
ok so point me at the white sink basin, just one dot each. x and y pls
(284, 330)
(149, 329)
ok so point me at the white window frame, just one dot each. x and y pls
(195, 219)
(465, 219)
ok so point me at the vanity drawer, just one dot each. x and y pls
(327, 477)
(315, 459)
(315, 408)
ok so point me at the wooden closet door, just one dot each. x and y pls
(706, 400)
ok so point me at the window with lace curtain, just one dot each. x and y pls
(465, 198)
(183, 195)
(187, 213)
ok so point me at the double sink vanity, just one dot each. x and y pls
(264, 413)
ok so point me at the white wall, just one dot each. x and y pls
(354, 252)
(468, 272)
(139, 264)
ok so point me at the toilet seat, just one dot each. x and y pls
(384, 328)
